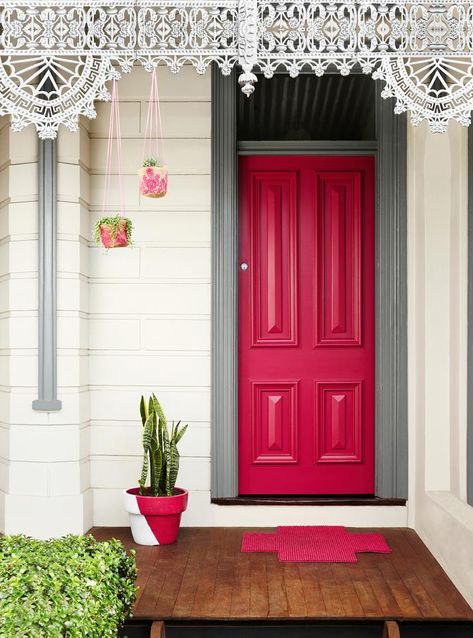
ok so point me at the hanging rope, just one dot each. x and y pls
(114, 133)
(113, 231)
(153, 174)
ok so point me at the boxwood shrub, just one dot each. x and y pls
(71, 587)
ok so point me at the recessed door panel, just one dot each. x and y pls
(274, 259)
(306, 325)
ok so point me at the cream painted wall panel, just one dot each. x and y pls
(68, 182)
(23, 183)
(171, 228)
(22, 332)
(148, 298)
(4, 333)
(23, 147)
(4, 475)
(114, 334)
(23, 294)
(114, 264)
(5, 256)
(23, 370)
(72, 369)
(141, 371)
(130, 117)
(4, 182)
(74, 409)
(175, 263)
(23, 256)
(47, 443)
(72, 256)
(4, 145)
(123, 472)
(72, 332)
(185, 192)
(183, 156)
(185, 120)
(123, 439)
(186, 86)
(28, 480)
(4, 370)
(22, 218)
(72, 293)
(176, 334)
(4, 293)
(45, 516)
(123, 405)
(69, 147)
(3, 220)
(70, 223)
(180, 120)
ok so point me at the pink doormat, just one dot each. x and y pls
(315, 544)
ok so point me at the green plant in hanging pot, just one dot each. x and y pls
(113, 232)
(155, 510)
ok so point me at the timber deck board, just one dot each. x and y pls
(205, 577)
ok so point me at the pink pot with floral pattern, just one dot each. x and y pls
(153, 181)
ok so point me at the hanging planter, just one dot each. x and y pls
(113, 231)
(153, 178)
(153, 174)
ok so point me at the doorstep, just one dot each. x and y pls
(309, 500)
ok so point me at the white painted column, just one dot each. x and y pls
(44, 478)
(437, 327)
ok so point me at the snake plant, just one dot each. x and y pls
(160, 453)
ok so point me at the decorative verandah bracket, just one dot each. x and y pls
(422, 50)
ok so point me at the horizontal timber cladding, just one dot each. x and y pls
(149, 306)
(390, 288)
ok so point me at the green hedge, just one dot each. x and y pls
(71, 587)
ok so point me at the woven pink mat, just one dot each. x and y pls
(315, 544)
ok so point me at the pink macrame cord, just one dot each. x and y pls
(153, 141)
(114, 133)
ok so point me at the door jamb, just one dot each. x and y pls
(391, 465)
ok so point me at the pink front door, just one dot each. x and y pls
(306, 325)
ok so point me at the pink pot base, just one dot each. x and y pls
(155, 520)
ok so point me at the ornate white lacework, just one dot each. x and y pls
(57, 57)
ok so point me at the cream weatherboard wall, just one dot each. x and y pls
(149, 313)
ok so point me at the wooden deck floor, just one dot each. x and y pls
(204, 577)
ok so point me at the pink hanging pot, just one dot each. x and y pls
(153, 179)
(113, 230)
(153, 175)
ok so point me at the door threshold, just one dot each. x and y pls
(343, 500)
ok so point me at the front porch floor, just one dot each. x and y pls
(205, 577)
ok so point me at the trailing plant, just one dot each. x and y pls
(70, 587)
(114, 231)
(160, 453)
(151, 161)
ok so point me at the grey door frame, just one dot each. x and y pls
(391, 286)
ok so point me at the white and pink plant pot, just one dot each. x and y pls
(155, 520)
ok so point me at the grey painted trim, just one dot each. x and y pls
(224, 286)
(391, 288)
(307, 148)
(469, 479)
(47, 354)
(391, 304)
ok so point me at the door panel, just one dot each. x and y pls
(306, 325)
